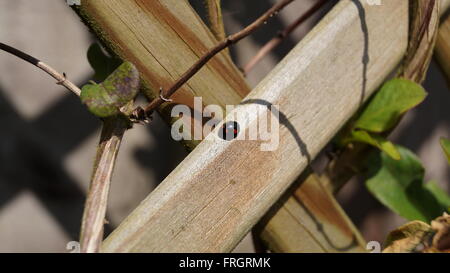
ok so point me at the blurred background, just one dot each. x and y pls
(48, 139)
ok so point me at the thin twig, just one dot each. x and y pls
(61, 78)
(269, 46)
(140, 113)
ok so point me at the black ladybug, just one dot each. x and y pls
(229, 130)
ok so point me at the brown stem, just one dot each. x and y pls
(214, 12)
(97, 198)
(61, 78)
(137, 114)
(269, 46)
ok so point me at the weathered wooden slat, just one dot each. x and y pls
(310, 220)
(212, 199)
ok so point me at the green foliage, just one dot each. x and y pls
(396, 177)
(442, 197)
(383, 112)
(445, 143)
(102, 64)
(396, 97)
(119, 88)
(376, 141)
(399, 185)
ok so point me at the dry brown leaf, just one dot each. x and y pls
(417, 236)
(411, 237)
(442, 227)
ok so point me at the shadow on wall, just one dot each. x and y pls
(32, 153)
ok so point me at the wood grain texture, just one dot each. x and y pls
(310, 220)
(213, 198)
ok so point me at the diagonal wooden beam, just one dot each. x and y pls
(212, 199)
(308, 219)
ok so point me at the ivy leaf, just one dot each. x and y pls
(119, 88)
(398, 184)
(102, 64)
(445, 143)
(376, 141)
(396, 97)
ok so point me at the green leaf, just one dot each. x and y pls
(442, 197)
(376, 141)
(396, 97)
(398, 184)
(445, 143)
(119, 88)
(102, 64)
